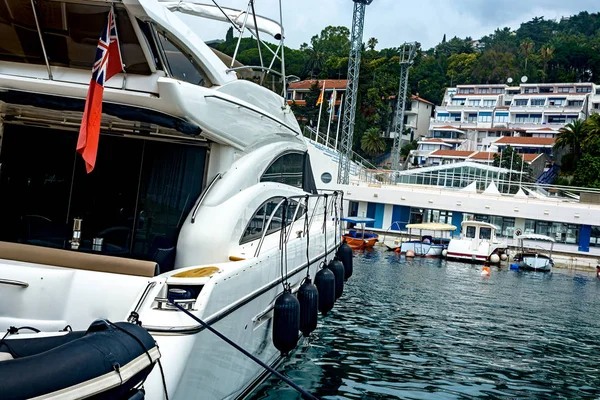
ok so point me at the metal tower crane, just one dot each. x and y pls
(407, 57)
(358, 22)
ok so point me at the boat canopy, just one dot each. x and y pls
(358, 220)
(225, 14)
(479, 223)
(535, 236)
(432, 227)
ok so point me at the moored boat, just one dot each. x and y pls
(360, 239)
(477, 243)
(427, 245)
(534, 258)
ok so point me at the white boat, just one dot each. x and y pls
(426, 245)
(186, 203)
(477, 243)
(534, 258)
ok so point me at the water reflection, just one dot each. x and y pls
(431, 329)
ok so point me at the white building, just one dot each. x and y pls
(417, 118)
(537, 109)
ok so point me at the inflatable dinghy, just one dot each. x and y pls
(108, 361)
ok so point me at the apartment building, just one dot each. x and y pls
(537, 109)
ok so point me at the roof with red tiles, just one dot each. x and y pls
(329, 84)
(483, 155)
(530, 157)
(532, 141)
(452, 153)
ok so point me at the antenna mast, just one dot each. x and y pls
(407, 57)
(358, 22)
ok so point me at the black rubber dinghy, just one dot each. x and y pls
(108, 361)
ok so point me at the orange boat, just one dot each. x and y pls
(360, 239)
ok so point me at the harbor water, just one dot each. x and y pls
(432, 329)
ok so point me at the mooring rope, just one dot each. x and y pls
(304, 393)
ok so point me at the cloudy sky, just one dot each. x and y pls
(393, 22)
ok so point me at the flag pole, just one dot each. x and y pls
(337, 133)
(321, 98)
(512, 156)
(521, 177)
(331, 109)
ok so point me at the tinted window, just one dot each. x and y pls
(260, 219)
(287, 169)
(70, 32)
(181, 66)
(470, 232)
(485, 233)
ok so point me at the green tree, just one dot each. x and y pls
(571, 137)
(547, 52)
(372, 43)
(526, 50)
(372, 143)
(407, 148)
(460, 68)
(513, 161)
(587, 173)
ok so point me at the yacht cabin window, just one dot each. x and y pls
(181, 65)
(70, 32)
(287, 169)
(258, 223)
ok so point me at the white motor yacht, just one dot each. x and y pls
(198, 173)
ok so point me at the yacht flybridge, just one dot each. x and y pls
(202, 195)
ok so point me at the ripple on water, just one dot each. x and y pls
(431, 329)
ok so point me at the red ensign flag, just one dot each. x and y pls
(107, 64)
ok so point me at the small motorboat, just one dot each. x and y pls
(534, 259)
(477, 243)
(427, 245)
(359, 239)
(108, 361)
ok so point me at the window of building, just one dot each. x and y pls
(557, 119)
(182, 66)
(561, 232)
(484, 90)
(595, 236)
(565, 89)
(455, 117)
(458, 101)
(538, 102)
(489, 103)
(571, 118)
(502, 117)
(522, 118)
(575, 103)
(290, 95)
(530, 90)
(497, 90)
(556, 101)
(583, 89)
(443, 116)
(474, 102)
(546, 90)
(520, 102)
(471, 232)
(466, 91)
(484, 117)
(472, 118)
(299, 96)
(287, 169)
(507, 102)
(597, 91)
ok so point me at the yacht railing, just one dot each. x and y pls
(337, 198)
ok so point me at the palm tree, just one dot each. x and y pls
(572, 136)
(372, 143)
(526, 48)
(372, 43)
(547, 53)
(314, 60)
(592, 131)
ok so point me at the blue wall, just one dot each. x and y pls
(375, 211)
(457, 218)
(400, 214)
(585, 231)
(371, 209)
